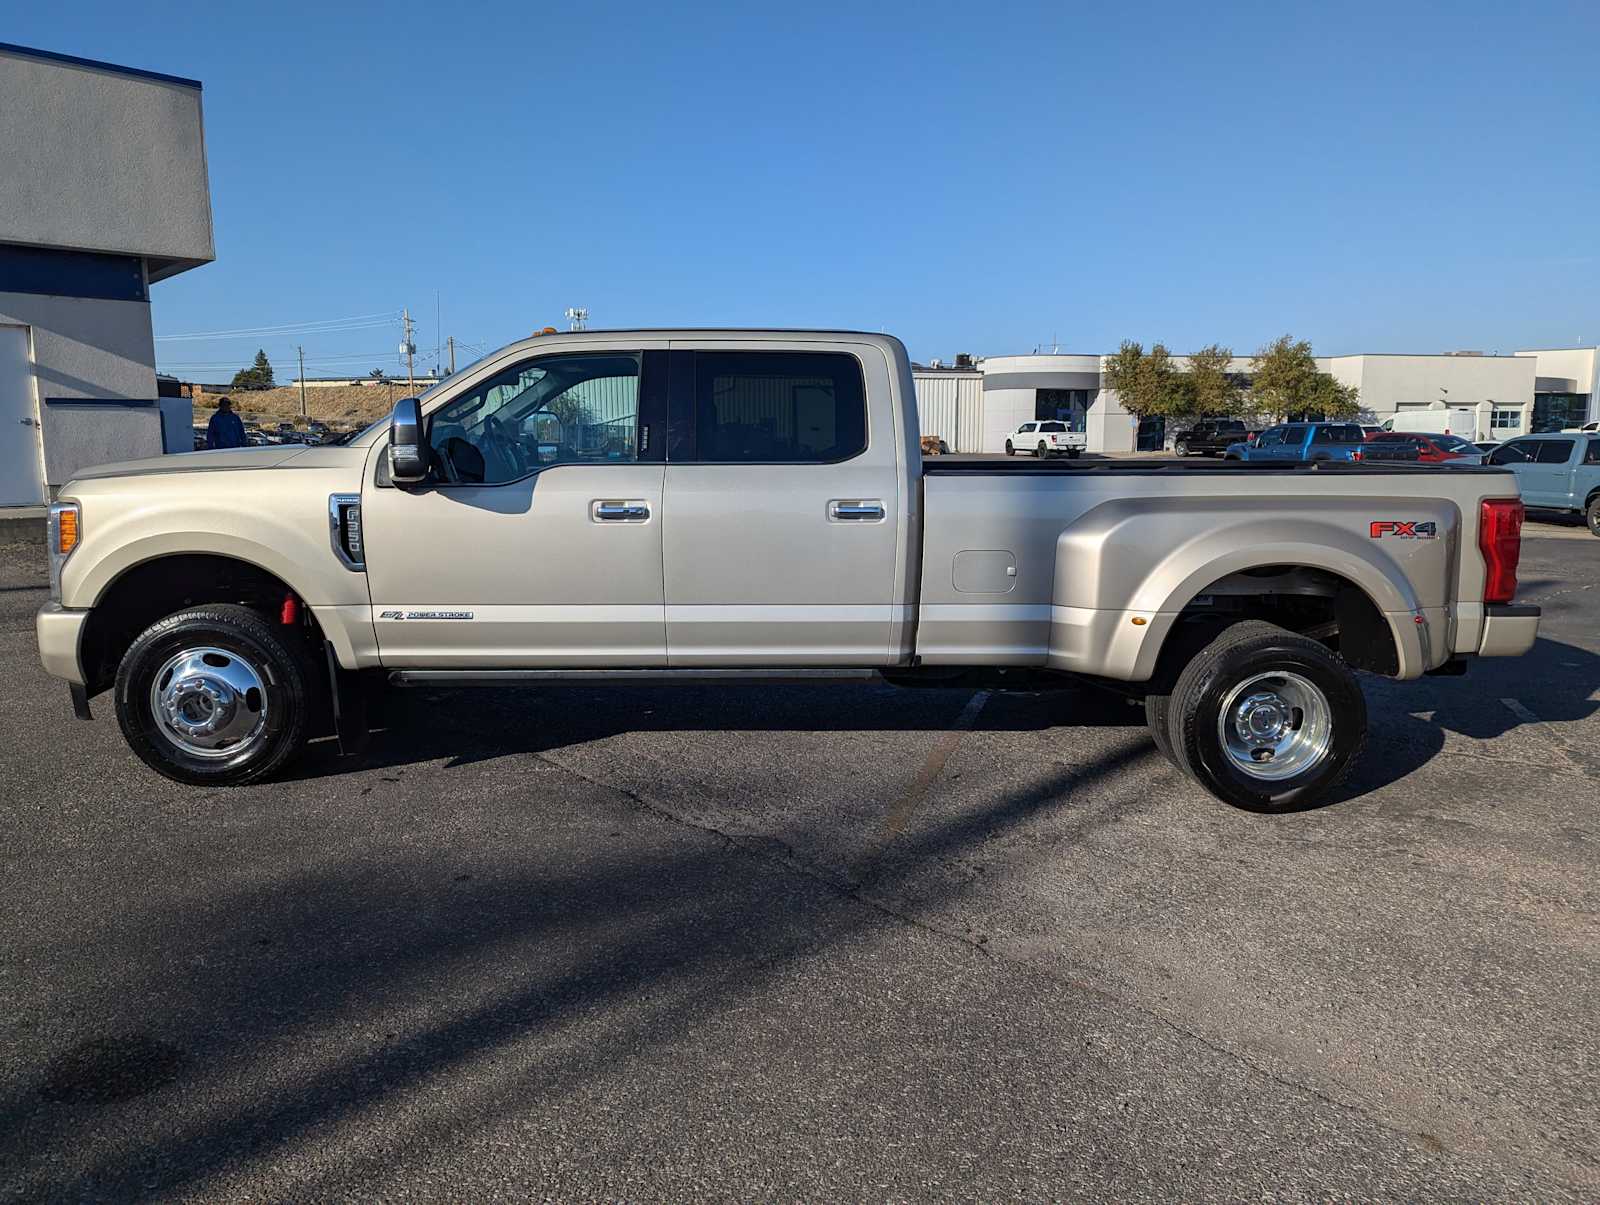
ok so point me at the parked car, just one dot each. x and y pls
(1487, 445)
(1556, 472)
(1431, 448)
(932, 445)
(1443, 420)
(1585, 429)
(1210, 437)
(1048, 437)
(1314, 442)
(782, 521)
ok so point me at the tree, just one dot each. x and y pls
(1212, 390)
(1147, 384)
(1285, 380)
(257, 376)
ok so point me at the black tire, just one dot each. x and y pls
(280, 662)
(1010, 451)
(1591, 515)
(1040, 451)
(1180, 448)
(1243, 652)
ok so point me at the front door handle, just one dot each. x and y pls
(617, 510)
(855, 510)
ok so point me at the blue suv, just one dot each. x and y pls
(1303, 441)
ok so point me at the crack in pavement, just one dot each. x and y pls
(761, 849)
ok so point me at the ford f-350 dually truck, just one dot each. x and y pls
(742, 505)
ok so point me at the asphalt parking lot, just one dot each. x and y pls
(809, 941)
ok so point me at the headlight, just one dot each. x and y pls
(66, 531)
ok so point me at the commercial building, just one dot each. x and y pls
(103, 193)
(1488, 396)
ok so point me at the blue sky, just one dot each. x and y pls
(981, 178)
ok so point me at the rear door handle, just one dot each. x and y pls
(618, 510)
(855, 510)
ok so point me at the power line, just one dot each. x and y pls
(311, 327)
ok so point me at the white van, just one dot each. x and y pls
(1456, 420)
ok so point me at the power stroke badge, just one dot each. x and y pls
(424, 614)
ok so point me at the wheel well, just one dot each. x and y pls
(1593, 494)
(157, 588)
(1314, 602)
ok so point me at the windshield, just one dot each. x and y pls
(1453, 443)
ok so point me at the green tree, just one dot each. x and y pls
(1147, 383)
(1285, 380)
(1212, 390)
(257, 376)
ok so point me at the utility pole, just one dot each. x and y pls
(408, 348)
(302, 352)
(452, 343)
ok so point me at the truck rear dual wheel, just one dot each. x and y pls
(1263, 718)
(215, 695)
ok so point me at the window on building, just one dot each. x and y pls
(1555, 411)
(1504, 421)
(1069, 406)
(763, 407)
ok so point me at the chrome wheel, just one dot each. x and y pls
(209, 702)
(1275, 726)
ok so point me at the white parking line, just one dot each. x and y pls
(1555, 738)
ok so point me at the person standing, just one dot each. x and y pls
(226, 429)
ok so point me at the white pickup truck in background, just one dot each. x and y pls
(1047, 437)
(748, 505)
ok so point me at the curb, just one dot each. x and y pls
(29, 529)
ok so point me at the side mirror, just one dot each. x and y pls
(409, 453)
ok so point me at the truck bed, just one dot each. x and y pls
(935, 466)
(1085, 566)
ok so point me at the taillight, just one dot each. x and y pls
(1500, 540)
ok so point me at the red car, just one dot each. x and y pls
(1432, 448)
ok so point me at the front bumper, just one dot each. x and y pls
(1509, 629)
(60, 632)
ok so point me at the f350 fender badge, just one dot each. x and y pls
(1427, 530)
(424, 614)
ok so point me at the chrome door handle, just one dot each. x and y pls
(863, 510)
(616, 511)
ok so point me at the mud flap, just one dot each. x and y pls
(348, 697)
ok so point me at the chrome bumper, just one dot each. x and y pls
(1509, 630)
(60, 633)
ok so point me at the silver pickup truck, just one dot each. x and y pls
(743, 505)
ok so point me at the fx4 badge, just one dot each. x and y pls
(1380, 528)
(424, 614)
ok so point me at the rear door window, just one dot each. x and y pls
(1046, 427)
(1338, 434)
(770, 407)
(1554, 451)
(1592, 456)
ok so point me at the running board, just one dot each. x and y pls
(650, 677)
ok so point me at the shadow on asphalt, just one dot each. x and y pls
(258, 972)
(664, 936)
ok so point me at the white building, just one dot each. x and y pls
(103, 192)
(1499, 396)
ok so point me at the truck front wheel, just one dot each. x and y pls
(214, 695)
(1266, 719)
